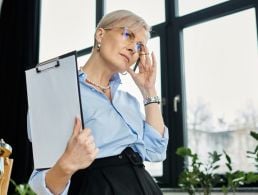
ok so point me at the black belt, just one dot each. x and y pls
(128, 156)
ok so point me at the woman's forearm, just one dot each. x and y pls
(57, 178)
(153, 113)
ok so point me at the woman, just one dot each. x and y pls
(107, 156)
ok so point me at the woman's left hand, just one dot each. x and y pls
(145, 78)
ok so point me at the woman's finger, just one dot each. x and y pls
(142, 62)
(147, 62)
(154, 61)
(77, 127)
(148, 65)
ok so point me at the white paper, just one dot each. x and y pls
(54, 102)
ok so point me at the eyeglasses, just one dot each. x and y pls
(129, 37)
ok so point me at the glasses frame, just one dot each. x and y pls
(129, 36)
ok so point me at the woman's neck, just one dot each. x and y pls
(97, 72)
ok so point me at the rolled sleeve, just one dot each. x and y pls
(38, 184)
(156, 144)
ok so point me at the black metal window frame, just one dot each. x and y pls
(170, 34)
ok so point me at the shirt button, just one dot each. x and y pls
(120, 156)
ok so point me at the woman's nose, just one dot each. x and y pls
(132, 47)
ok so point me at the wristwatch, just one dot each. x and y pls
(150, 100)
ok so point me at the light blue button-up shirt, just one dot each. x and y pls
(115, 125)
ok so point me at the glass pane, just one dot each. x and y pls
(221, 66)
(142, 8)
(66, 26)
(186, 6)
(82, 60)
(155, 169)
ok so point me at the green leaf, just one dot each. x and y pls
(254, 135)
(216, 167)
(22, 189)
(256, 149)
(227, 157)
(251, 177)
(183, 151)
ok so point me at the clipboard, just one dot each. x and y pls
(54, 101)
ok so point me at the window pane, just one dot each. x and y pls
(186, 6)
(66, 26)
(221, 66)
(81, 61)
(142, 8)
(155, 169)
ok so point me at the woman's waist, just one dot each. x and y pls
(115, 148)
(127, 156)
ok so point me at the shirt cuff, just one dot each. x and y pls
(38, 184)
(156, 144)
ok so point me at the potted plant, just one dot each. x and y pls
(198, 174)
(202, 175)
(234, 179)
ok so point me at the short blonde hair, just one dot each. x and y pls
(124, 18)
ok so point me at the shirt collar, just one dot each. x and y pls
(115, 78)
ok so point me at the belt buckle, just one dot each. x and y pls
(133, 157)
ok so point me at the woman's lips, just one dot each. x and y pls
(125, 56)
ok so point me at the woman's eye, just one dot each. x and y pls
(128, 35)
(140, 47)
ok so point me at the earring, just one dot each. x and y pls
(98, 46)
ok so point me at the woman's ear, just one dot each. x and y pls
(99, 34)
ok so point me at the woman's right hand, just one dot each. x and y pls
(79, 153)
(81, 150)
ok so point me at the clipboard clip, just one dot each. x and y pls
(53, 63)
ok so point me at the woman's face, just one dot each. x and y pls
(120, 46)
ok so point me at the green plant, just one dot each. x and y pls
(208, 175)
(198, 174)
(189, 178)
(202, 175)
(234, 179)
(22, 189)
(254, 154)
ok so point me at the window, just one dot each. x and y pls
(186, 6)
(82, 60)
(220, 62)
(65, 26)
(143, 8)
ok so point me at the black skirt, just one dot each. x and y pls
(123, 174)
